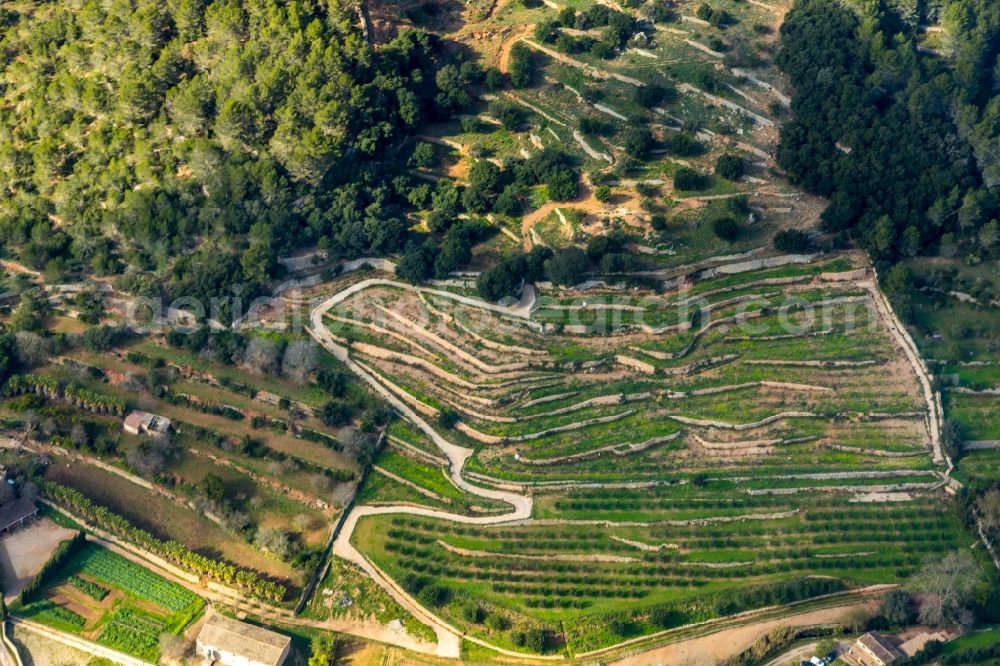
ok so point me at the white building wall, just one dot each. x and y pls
(230, 659)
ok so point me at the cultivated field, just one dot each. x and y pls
(103, 597)
(746, 435)
(278, 469)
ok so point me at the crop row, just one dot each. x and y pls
(554, 602)
(854, 515)
(787, 538)
(425, 562)
(583, 541)
(584, 544)
(595, 580)
(667, 503)
(668, 577)
(872, 526)
(134, 633)
(50, 613)
(133, 579)
(634, 467)
(614, 591)
(814, 517)
(465, 530)
(92, 590)
(74, 394)
(887, 525)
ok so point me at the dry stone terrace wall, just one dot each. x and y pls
(646, 444)
(563, 396)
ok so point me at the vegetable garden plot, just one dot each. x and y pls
(114, 602)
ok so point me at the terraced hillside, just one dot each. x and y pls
(646, 123)
(956, 316)
(754, 432)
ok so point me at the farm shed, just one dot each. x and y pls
(874, 649)
(234, 643)
(14, 514)
(143, 422)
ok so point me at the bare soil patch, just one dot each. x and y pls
(64, 596)
(24, 552)
(38, 650)
(164, 519)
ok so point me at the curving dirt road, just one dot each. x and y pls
(449, 637)
(716, 647)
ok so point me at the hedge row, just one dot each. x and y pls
(326, 440)
(74, 394)
(246, 580)
(63, 552)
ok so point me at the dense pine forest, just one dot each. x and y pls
(903, 140)
(186, 144)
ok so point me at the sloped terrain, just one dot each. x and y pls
(756, 437)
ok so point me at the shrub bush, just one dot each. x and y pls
(690, 180)
(684, 145)
(567, 267)
(663, 617)
(726, 228)
(448, 418)
(792, 240)
(730, 167)
(638, 141)
(530, 638)
(433, 594)
(472, 612)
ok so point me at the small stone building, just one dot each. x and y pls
(145, 423)
(874, 649)
(233, 643)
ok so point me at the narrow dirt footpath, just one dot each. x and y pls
(584, 201)
(504, 61)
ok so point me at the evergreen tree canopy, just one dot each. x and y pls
(201, 140)
(906, 144)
